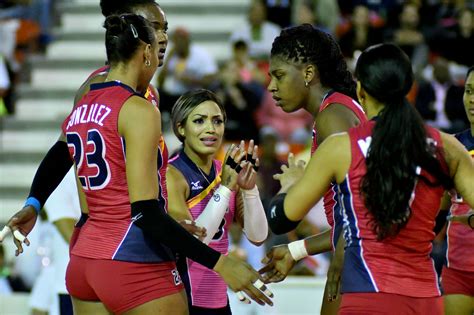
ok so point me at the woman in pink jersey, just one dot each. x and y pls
(308, 72)
(391, 173)
(193, 176)
(457, 277)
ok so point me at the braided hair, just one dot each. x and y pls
(306, 44)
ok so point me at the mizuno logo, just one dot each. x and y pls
(137, 217)
(196, 185)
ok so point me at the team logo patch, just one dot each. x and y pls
(176, 277)
(196, 185)
(217, 197)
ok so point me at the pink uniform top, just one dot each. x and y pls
(399, 265)
(205, 288)
(99, 153)
(331, 206)
(459, 254)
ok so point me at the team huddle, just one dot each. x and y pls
(153, 237)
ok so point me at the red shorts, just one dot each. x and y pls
(457, 282)
(389, 304)
(120, 285)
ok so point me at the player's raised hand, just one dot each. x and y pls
(231, 168)
(291, 173)
(20, 225)
(242, 278)
(278, 263)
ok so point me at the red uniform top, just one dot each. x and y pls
(99, 153)
(152, 96)
(398, 265)
(331, 205)
(459, 254)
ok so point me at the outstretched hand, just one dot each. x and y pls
(242, 278)
(194, 229)
(278, 263)
(231, 167)
(20, 225)
(247, 178)
(291, 173)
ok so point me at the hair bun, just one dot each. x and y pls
(115, 25)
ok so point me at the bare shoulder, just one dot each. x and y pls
(175, 179)
(138, 112)
(453, 149)
(334, 119)
(85, 87)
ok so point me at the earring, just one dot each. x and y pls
(306, 83)
(147, 63)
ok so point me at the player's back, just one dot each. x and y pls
(400, 264)
(99, 152)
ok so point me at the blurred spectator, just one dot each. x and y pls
(39, 11)
(258, 33)
(439, 101)
(240, 99)
(287, 127)
(279, 11)
(9, 281)
(4, 85)
(361, 33)
(241, 87)
(187, 66)
(306, 13)
(453, 42)
(244, 65)
(410, 38)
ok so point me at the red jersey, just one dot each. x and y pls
(331, 205)
(99, 153)
(399, 265)
(152, 96)
(459, 254)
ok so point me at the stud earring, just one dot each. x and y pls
(147, 63)
(306, 83)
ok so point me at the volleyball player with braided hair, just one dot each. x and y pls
(308, 71)
(391, 173)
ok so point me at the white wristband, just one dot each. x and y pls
(298, 250)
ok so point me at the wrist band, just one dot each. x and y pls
(298, 250)
(469, 220)
(32, 201)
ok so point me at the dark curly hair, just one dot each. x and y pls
(400, 146)
(307, 44)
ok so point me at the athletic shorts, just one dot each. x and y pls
(389, 304)
(120, 285)
(457, 281)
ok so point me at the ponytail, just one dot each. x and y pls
(399, 147)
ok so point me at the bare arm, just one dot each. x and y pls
(461, 167)
(178, 191)
(330, 162)
(334, 119)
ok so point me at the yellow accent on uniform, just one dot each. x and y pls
(198, 198)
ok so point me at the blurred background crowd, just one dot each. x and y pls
(438, 36)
